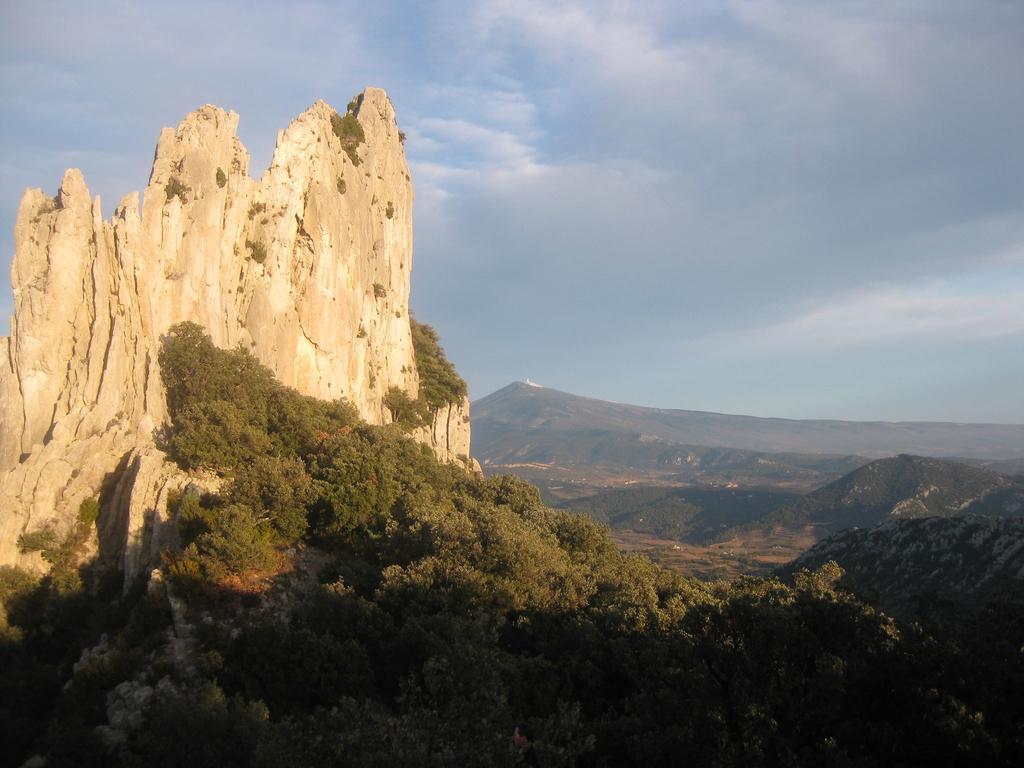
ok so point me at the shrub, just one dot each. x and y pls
(236, 541)
(256, 208)
(222, 178)
(401, 136)
(361, 333)
(201, 729)
(217, 400)
(440, 384)
(280, 488)
(42, 540)
(390, 210)
(379, 291)
(63, 556)
(227, 410)
(257, 250)
(89, 511)
(176, 188)
(341, 185)
(405, 410)
(14, 583)
(192, 517)
(350, 134)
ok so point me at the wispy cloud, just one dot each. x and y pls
(887, 315)
(609, 180)
(476, 144)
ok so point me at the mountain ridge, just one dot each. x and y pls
(522, 407)
(519, 386)
(905, 487)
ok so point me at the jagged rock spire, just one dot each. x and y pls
(308, 267)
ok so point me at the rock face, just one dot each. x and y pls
(448, 434)
(308, 268)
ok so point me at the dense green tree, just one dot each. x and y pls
(440, 384)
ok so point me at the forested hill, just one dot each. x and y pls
(905, 487)
(518, 421)
(928, 566)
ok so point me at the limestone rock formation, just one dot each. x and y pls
(448, 434)
(308, 267)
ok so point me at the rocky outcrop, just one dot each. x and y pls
(448, 434)
(308, 268)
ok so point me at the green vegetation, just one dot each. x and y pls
(37, 541)
(390, 210)
(401, 137)
(440, 384)
(176, 188)
(45, 623)
(341, 185)
(405, 410)
(257, 250)
(63, 555)
(357, 603)
(256, 208)
(89, 511)
(222, 178)
(904, 565)
(227, 410)
(350, 134)
(919, 486)
(379, 291)
(694, 515)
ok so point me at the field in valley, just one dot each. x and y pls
(750, 553)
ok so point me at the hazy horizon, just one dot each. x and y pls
(776, 209)
(723, 413)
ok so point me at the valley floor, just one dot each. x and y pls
(750, 553)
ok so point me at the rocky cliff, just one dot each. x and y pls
(308, 267)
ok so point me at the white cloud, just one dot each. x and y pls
(889, 314)
(642, 174)
(479, 143)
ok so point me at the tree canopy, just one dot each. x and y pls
(355, 602)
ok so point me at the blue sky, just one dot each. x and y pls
(797, 209)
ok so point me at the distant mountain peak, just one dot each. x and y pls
(523, 405)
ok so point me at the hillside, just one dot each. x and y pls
(343, 598)
(694, 515)
(566, 464)
(904, 487)
(928, 565)
(524, 423)
(714, 532)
